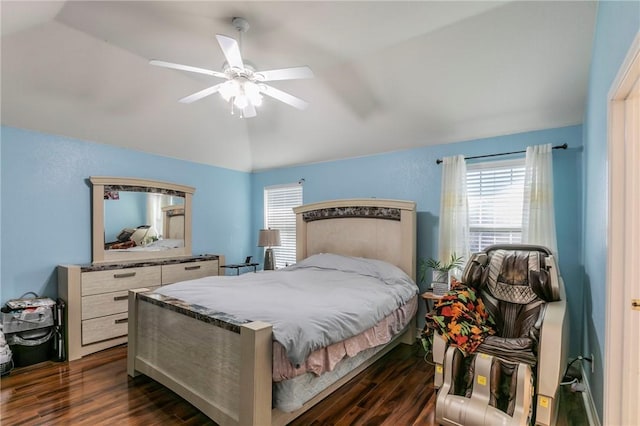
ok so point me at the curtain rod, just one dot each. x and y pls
(563, 146)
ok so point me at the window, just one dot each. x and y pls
(279, 202)
(495, 195)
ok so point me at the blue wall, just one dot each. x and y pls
(46, 216)
(414, 175)
(616, 26)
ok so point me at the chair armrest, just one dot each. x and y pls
(439, 349)
(552, 356)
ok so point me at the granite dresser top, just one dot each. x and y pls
(143, 263)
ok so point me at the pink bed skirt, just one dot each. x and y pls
(325, 359)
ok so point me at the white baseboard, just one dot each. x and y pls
(589, 405)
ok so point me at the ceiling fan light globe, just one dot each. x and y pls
(241, 101)
(251, 89)
(228, 90)
(257, 101)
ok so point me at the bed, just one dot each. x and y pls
(223, 364)
(173, 222)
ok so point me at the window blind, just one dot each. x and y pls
(279, 202)
(495, 196)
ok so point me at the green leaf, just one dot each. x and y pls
(454, 262)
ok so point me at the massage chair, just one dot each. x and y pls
(514, 375)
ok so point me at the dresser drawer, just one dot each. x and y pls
(98, 282)
(100, 305)
(104, 328)
(188, 271)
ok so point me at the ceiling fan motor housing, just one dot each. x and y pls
(240, 24)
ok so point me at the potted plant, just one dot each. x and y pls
(441, 272)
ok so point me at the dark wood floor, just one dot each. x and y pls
(95, 390)
(397, 390)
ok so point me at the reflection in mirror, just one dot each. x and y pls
(143, 220)
(140, 219)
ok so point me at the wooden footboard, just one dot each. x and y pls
(220, 365)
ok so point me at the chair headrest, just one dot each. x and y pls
(513, 273)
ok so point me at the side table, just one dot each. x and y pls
(430, 299)
(239, 266)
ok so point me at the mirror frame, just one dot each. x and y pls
(99, 254)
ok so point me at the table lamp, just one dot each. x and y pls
(269, 238)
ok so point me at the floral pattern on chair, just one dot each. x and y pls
(460, 317)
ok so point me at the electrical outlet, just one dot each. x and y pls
(593, 363)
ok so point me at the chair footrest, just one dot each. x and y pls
(478, 409)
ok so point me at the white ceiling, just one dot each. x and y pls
(389, 75)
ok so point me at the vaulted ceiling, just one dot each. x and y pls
(388, 75)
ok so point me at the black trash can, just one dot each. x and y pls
(31, 347)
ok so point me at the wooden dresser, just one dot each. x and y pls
(96, 296)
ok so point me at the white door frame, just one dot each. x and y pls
(622, 340)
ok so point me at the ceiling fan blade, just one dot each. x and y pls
(201, 94)
(283, 97)
(231, 51)
(249, 111)
(285, 74)
(187, 68)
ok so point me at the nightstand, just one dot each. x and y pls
(430, 299)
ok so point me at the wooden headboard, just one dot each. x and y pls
(368, 227)
(173, 222)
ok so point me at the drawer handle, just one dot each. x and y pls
(116, 298)
(122, 321)
(124, 275)
(191, 268)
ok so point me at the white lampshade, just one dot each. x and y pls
(269, 238)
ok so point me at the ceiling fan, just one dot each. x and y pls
(244, 85)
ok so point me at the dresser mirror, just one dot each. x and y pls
(139, 219)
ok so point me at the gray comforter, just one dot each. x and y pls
(321, 300)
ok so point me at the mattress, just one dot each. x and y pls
(290, 395)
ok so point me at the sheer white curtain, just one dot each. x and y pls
(154, 211)
(454, 216)
(538, 217)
